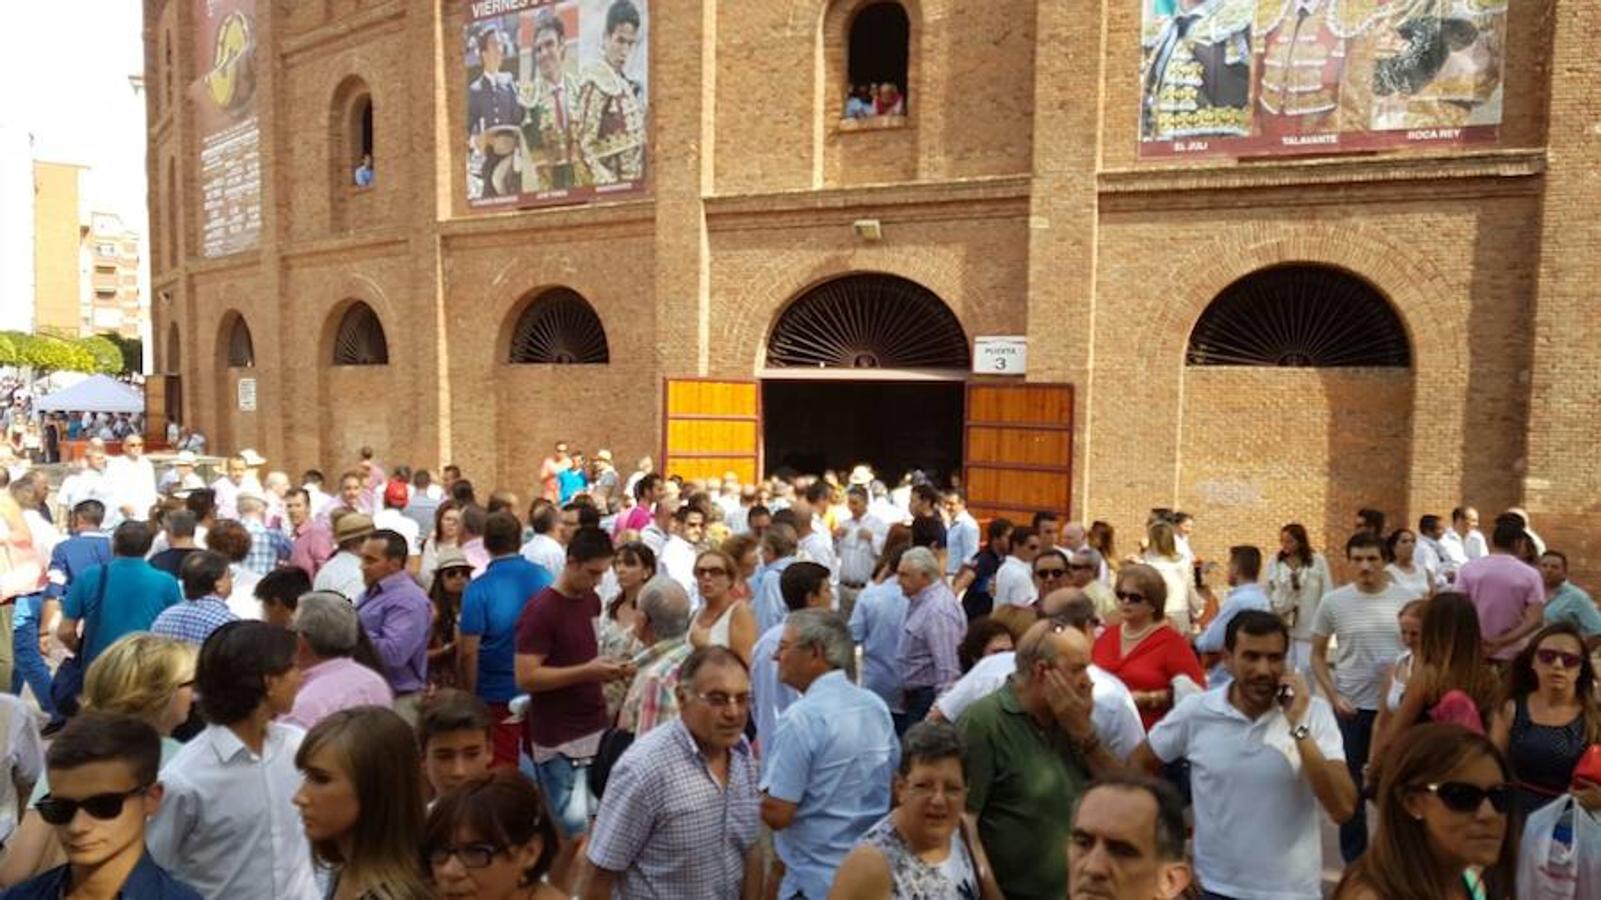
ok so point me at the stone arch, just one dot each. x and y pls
(1298, 315)
(554, 326)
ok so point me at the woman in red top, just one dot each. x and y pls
(1142, 650)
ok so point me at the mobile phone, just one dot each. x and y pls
(1286, 696)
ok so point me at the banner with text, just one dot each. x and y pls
(557, 101)
(1273, 77)
(224, 97)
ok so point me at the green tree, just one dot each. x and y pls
(133, 351)
(8, 350)
(106, 355)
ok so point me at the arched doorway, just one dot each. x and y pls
(1297, 407)
(865, 368)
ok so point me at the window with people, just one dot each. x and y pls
(877, 57)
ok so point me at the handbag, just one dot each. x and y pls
(1560, 854)
(68, 683)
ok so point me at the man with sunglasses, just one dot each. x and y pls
(103, 788)
(1085, 566)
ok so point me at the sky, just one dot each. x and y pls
(66, 70)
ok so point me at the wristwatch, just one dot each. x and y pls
(1301, 732)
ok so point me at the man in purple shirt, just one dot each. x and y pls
(1508, 593)
(327, 633)
(394, 611)
(934, 627)
(313, 542)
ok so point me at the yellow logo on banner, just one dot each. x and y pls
(229, 82)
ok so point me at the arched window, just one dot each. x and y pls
(360, 340)
(364, 125)
(241, 349)
(559, 327)
(877, 58)
(166, 71)
(172, 213)
(352, 136)
(869, 322)
(1302, 316)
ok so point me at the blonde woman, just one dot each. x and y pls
(1162, 554)
(142, 675)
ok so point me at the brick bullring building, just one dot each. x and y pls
(1229, 304)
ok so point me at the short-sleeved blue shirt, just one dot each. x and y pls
(136, 592)
(490, 609)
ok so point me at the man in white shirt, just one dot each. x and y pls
(813, 543)
(1261, 765)
(228, 825)
(1363, 617)
(1116, 719)
(228, 486)
(135, 480)
(92, 482)
(393, 518)
(342, 571)
(859, 539)
(1183, 527)
(1429, 554)
(961, 533)
(1463, 541)
(543, 549)
(1014, 581)
(678, 552)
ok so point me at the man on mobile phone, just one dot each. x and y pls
(1263, 759)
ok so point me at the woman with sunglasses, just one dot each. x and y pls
(445, 596)
(445, 536)
(723, 620)
(926, 846)
(492, 840)
(1142, 649)
(1449, 660)
(360, 801)
(142, 675)
(1549, 718)
(1446, 829)
(1297, 578)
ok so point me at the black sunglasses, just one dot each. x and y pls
(472, 856)
(1461, 797)
(60, 811)
(1131, 596)
(1050, 573)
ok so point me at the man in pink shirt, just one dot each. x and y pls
(1507, 592)
(326, 632)
(313, 542)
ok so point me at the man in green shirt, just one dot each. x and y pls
(1030, 753)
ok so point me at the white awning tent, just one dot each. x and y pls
(97, 393)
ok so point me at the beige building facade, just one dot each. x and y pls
(1011, 191)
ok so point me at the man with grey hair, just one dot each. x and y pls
(326, 634)
(832, 758)
(1031, 748)
(1086, 570)
(662, 625)
(935, 623)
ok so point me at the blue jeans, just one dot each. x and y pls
(29, 666)
(1357, 733)
(559, 777)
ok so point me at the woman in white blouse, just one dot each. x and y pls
(1404, 569)
(1162, 554)
(1297, 579)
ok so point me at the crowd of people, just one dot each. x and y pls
(868, 101)
(816, 687)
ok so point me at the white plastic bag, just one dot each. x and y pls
(1560, 858)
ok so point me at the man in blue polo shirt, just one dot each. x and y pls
(119, 597)
(487, 649)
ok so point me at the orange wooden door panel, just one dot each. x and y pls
(1018, 449)
(710, 428)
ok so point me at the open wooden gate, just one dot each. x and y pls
(163, 400)
(711, 427)
(1018, 450)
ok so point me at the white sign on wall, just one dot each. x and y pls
(247, 395)
(1006, 355)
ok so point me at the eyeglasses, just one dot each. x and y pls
(1461, 797)
(925, 791)
(1131, 596)
(456, 573)
(472, 856)
(1050, 573)
(709, 571)
(60, 811)
(1550, 658)
(723, 701)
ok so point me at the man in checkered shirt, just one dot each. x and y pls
(679, 814)
(268, 546)
(206, 581)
